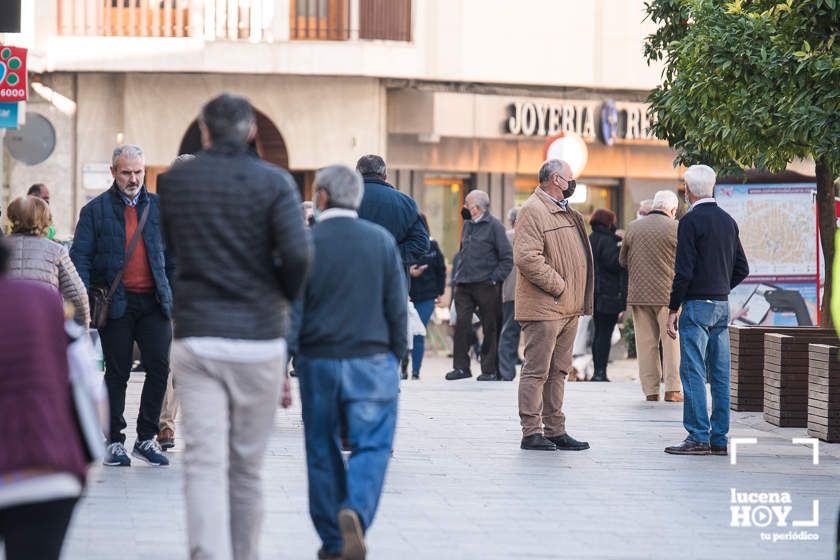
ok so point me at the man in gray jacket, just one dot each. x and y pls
(486, 260)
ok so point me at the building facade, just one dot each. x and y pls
(456, 94)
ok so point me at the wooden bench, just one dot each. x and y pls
(824, 392)
(746, 390)
(786, 375)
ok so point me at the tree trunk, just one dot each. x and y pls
(827, 223)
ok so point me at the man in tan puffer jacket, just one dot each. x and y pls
(554, 287)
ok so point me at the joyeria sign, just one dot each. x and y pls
(12, 74)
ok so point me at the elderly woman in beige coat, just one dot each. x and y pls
(35, 257)
(554, 288)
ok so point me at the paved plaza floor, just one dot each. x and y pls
(460, 487)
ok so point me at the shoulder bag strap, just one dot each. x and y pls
(130, 251)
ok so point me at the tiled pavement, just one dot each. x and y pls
(460, 487)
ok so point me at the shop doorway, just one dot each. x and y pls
(443, 197)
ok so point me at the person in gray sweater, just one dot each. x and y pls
(350, 344)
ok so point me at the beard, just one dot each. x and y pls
(131, 189)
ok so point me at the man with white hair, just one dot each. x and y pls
(710, 262)
(350, 344)
(486, 259)
(118, 248)
(645, 207)
(648, 253)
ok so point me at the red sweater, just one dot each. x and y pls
(137, 277)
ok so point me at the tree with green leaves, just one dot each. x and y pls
(752, 84)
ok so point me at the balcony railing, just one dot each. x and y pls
(212, 19)
(252, 20)
(332, 20)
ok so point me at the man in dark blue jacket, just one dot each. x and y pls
(710, 262)
(395, 211)
(350, 343)
(141, 306)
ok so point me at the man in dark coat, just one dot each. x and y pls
(141, 306)
(234, 223)
(395, 211)
(486, 259)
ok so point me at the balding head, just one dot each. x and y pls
(477, 202)
(555, 177)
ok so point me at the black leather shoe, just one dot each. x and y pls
(489, 377)
(599, 375)
(718, 450)
(689, 447)
(568, 443)
(458, 374)
(324, 555)
(537, 442)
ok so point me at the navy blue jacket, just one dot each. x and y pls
(397, 212)
(432, 282)
(710, 259)
(355, 303)
(98, 250)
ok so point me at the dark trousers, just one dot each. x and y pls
(145, 323)
(604, 326)
(508, 342)
(36, 530)
(484, 299)
(361, 395)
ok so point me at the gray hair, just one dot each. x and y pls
(700, 180)
(665, 200)
(181, 159)
(512, 214)
(372, 164)
(481, 199)
(228, 118)
(128, 151)
(549, 168)
(343, 185)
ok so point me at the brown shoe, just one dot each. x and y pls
(673, 396)
(352, 535)
(719, 450)
(652, 397)
(166, 439)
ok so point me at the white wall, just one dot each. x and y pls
(591, 43)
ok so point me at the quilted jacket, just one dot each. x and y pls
(38, 258)
(98, 249)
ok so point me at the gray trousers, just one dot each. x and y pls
(227, 413)
(508, 342)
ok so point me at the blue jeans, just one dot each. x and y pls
(361, 392)
(425, 310)
(704, 346)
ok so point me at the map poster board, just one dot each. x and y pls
(777, 224)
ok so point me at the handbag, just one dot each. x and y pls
(100, 298)
(88, 392)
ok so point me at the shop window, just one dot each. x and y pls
(443, 198)
(324, 20)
